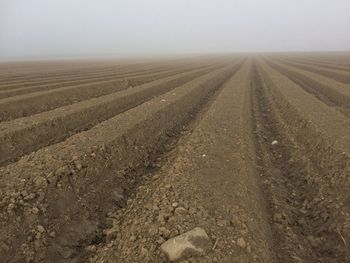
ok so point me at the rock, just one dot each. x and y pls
(29, 197)
(144, 251)
(175, 204)
(189, 244)
(41, 229)
(221, 222)
(79, 166)
(278, 217)
(35, 210)
(274, 142)
(241, 242)
(235, 220)
(91, 249)
(180, 211)
(164, 232)
(11, 207)
(161, 219)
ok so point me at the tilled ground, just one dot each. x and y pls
(255, 151)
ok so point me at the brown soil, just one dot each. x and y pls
(255, 153)
(332, 73)
(324, 65)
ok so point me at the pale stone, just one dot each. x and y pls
(191, 243)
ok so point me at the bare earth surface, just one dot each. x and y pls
(208, 159)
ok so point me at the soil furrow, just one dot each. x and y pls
(212, 180)
(67, 188)
(299, 169)
(95, 69)
(23, 136)
(319, 64)
(62, 84)
(29, 104)
(333, 74)
(74, 79)
(90, 78)
(326, 94)
(89, 81)
(24, 78)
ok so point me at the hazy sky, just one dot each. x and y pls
(63, 28)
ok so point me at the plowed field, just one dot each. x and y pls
(105, 161)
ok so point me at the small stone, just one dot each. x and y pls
(168, 186)
(161, 218)
(91, 249)
(235, 220)
(175, 204)
(189, 244)
(11, 206)
(164, 232)
(52, 234)
(35, 210)
(79, 166)
(221, 222)
(132, 238)
(241, 242)
(144, 251)
(109, 245)
(38, 235)
(41, 229)
(274, 142)
(29, 197)
(278, 217)
(180, 211)
(249, 249)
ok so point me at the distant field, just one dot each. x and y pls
(97, 157)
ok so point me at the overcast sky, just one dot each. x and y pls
(64, 28)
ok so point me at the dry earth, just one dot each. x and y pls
(106, 161)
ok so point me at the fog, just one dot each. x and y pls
(41, 29)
